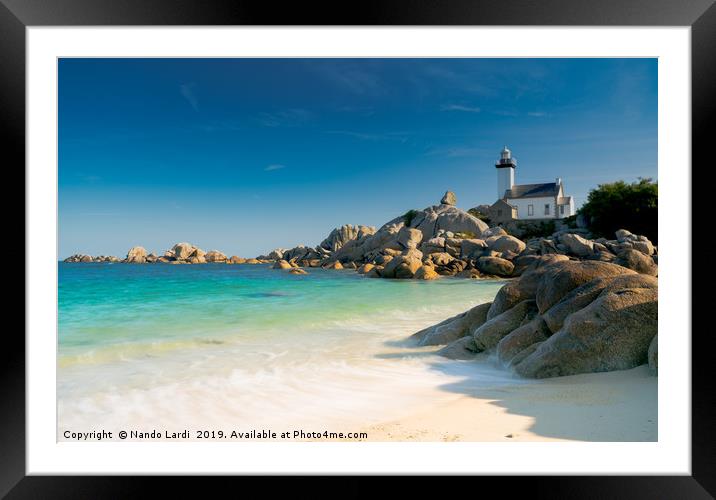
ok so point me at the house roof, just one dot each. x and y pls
(501, 203)
(564, 200)
(532, 190)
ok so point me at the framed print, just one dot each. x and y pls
(419, 240)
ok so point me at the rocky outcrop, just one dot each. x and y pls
(182, 251)
(342, 235)
(78, 257)
(136, 255)
(612, 333)
(447, 218)
(215, 256)
(583, 295)
(440, 240)
(456, 243)
(561, 317)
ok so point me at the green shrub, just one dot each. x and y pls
(619, 205)
(476, 213)
(533, 230)
(570, 221)
(409, 216)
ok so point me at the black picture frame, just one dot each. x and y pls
(700, 15)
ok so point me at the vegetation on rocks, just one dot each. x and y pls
(476, 213)
(612, 206)
(532, 230)
(409, 216)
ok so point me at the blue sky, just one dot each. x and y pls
(245, 155)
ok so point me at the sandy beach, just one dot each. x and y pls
(614, 406)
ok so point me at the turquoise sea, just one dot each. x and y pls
(246, 345)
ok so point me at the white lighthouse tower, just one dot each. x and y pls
(505, 172)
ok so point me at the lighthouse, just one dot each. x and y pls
(505, 172)
(546, 200)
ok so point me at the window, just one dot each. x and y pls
(561, 209)
(530, 209)
(546, 209)
(499, 212)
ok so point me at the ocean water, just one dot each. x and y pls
(244, 346)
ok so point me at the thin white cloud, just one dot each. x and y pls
(460, 107)
(187, 91)
(537, 114)
(360, 78)
(274, 166)
(458, 152)
(387, 136)
(286, 118)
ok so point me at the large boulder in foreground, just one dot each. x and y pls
(492, 331)
(612, 333)
(585, 294)
(524, 288)
(453, 328)
(521, 338)
(561, 278)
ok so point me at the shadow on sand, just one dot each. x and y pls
(614, 406)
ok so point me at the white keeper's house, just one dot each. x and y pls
(527, 201)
